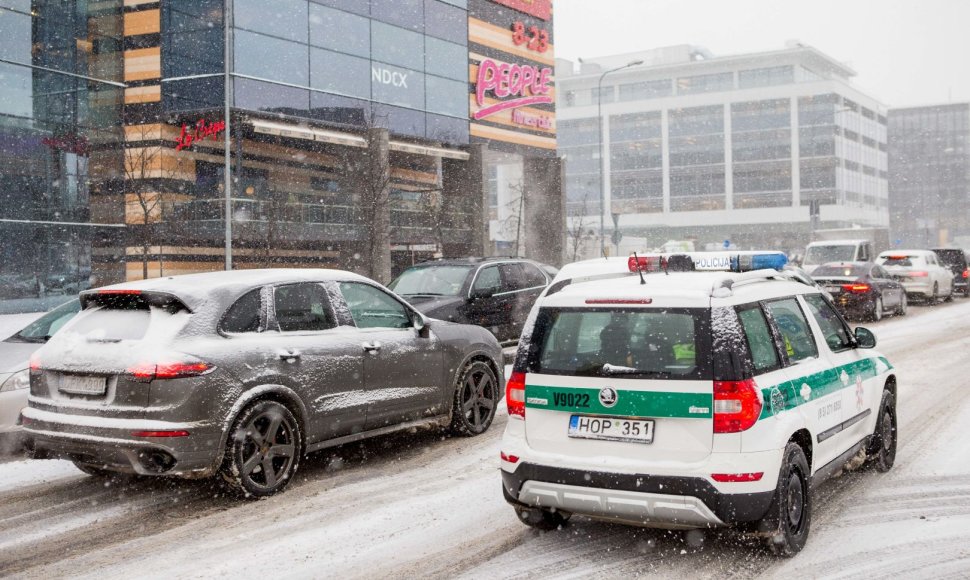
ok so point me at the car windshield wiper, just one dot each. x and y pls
(30, 339)
(611, 369)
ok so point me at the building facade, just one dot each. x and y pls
(929, 176)
(721, 149)
(357, 134)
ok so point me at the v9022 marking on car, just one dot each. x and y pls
(694, 399)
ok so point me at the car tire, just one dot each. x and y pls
(881, 453)
(877, 310)
(789, 517)
(903, 305)
(476, 398)
(542, 519)
(949, 296)
(263, 450)
(935, 298)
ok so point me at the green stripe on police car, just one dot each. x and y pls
(627, 403)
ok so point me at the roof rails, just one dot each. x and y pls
(723, 286)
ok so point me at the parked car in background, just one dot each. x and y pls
(824, 252)
(862, 289)
(15, 353)
(956, 260)
(920, 273)
(242, 373)
(496, 293)
(19, 286)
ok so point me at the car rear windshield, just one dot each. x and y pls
(853, 271)
(431, 280)
(823, 254)
(116, 317)
(630, 343)
(952, 257)
(904, 261)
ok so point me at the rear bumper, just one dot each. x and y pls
(649, 500)
(105, 441)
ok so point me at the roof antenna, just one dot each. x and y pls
(636, 261)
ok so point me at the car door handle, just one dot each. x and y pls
(371, 347)
(290, 356)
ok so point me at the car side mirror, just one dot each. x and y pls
(420, 324)
(864, 338)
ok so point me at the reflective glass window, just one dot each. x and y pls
(262, 96)
(400, 120)
(361, 7)
(447, 129)
(446, 21)
(397, 46)
(397, 86)
(446, 59)
(371, 307)
(303, 307)
(16, 96)
(283, 18)
(338, 109)
(15, 29)
(447, 97)
(339, 73)
(404, 13)
(339, 30)
(270, 58)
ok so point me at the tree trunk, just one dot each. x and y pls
(378, 189)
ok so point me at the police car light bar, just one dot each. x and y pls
(714, 261)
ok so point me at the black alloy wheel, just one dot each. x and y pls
(263, 451)
(476, 398)
(790, 516)
(882, 447)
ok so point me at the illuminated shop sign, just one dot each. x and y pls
(539, 8)
(197, 132)
(527, 84)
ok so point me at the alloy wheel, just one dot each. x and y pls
(267, 449)
(478, 398)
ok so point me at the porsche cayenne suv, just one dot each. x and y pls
(242, 373)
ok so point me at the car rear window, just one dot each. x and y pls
(123, 315)
(904, 261)
(952, 257)
(631, 343)
(854, 271)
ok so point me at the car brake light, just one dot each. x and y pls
(151, 371)
(122, 292)
(35, 367)
(966, 273)
(160, 433)
(919, 274)
(737, 477)
(515, 394)
(856, 288)
(509, 458)
(737, 406)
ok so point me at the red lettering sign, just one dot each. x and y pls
(537, 38)
(69, 143)
(534, 121)
(199, 131)
(527, 83)
(538, 8)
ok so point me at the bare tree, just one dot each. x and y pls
(512, 225)
(579, 230)
(432, 203)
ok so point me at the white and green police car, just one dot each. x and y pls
(690, 391)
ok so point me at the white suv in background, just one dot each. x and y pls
(920, 273)
(691, 399)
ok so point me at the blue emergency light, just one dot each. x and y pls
(709, 261)
(758, 261)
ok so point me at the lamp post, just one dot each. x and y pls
(599, 118)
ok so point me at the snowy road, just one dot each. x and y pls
(432, 507)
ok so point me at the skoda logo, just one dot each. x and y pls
(608, 397)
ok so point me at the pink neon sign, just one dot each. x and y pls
(528, 84)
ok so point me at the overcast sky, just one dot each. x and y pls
(906, 52)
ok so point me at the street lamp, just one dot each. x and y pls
(599, 118)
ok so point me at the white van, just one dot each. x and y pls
(818, 253)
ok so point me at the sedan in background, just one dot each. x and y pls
(15, 352)
(862, 290)
(496, 293)
(920, 273)
(956, 260)
(242, 373)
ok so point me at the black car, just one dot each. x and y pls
(862, 289)
(956, 260)
(496, 293)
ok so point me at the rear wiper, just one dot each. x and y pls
(619, 370)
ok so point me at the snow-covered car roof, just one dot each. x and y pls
(197, 289)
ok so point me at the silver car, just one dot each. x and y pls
(242, 373)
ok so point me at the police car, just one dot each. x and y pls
(690, 391)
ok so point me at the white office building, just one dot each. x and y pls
(713, 148)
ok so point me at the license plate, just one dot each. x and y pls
(611, 428)
(78, 385)
(834, 289)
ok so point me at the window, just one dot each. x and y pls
(488, 280)
(705, 83)
(765, 77)
(373, 308)
(833, 329)
(339, 31)
(513, 278)
(270, 58)
(245, 315)
(795, 333)
(533, 277)
(646, 90)
(760, 342)
(303, 307)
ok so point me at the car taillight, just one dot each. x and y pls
(856, 288)
(515, 394)
(509, 458)
(966, 273)
(35, 367)
(919, 274)
(737, 406)
(168, 369)
(737, 477)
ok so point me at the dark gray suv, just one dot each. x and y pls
(242, 373)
